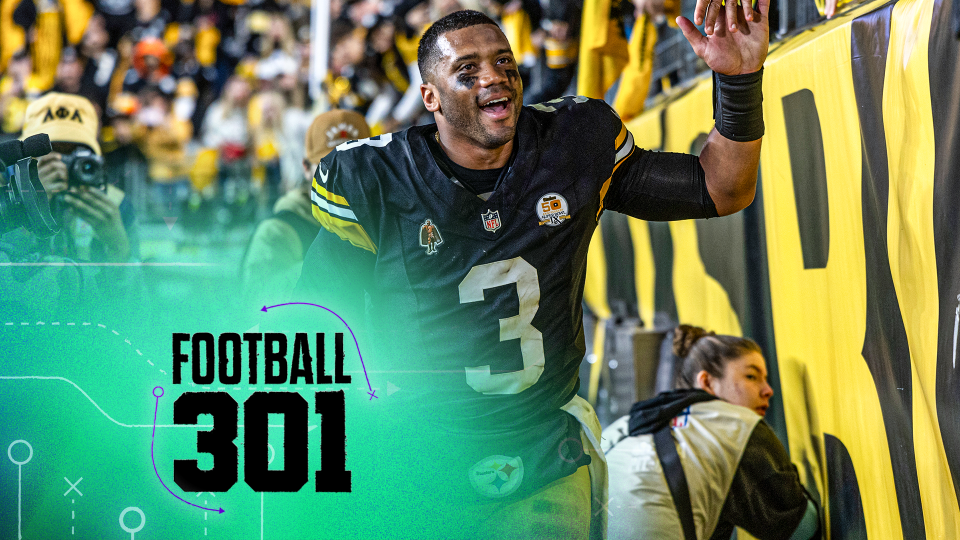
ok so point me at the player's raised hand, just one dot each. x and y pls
(709, 10)
(738, 36)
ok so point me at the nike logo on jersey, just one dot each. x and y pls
(322, 176)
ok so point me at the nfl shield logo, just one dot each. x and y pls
(491, 220)
(681, 421)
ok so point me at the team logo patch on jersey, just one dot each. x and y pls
(552, 209)
(682, 420)
(497, 476)
(491, 220)
(430, 237)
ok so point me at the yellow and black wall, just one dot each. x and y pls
(846, 268)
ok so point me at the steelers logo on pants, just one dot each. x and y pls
(497, 476)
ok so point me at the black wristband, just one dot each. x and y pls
(737, 105)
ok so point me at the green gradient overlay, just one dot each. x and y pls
(397, 476)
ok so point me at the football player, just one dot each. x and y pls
(463, 245)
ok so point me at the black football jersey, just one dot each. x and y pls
(479, 301)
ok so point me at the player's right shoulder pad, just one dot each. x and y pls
(335, 186)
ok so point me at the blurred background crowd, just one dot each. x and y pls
(200, 110)
(210, 98)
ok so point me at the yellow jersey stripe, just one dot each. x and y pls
(606, 185)
(332, 197)
(333, 209)
(347, 230)
(622, 136)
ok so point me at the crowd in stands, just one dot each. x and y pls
(208, 100)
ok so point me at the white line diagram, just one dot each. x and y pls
(134, 530)
(121, 424)
(73, 487)
(19, 465)
(81, 325)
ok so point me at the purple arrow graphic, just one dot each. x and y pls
(152, 438)
(372, 392)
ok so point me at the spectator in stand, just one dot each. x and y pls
(151, 20)
(363, 13)
(412, 17)
(274, 257)
(225, 128)
(266, 122)
(98, 61)
(558, 61)
(118, 18)
(187, 69)
(70, 80)
(69, 72)
(276, 58)
(163, 138)
(46, 23)
(382, 46)
(296, 121)
(346, 82)
(18, 87)
(391, 72)
(151, 67)
(123, 160)
(518, 18)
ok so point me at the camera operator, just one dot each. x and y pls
(97, 223)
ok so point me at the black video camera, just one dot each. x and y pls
(23, 202)
(85, 168)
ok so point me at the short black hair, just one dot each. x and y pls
(340, 29)
(428, 54)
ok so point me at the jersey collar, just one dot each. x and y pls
(462, 201)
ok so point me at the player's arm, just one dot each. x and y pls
(329, 195)
(335, 275)
(730, 169)
(338, 266)
(658, 186)
(722, 181)
(735, 50)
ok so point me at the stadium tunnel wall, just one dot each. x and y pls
(846, 268)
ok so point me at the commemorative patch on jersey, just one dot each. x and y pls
(491, 220)
(430, 237)
(497, 476)
(552, 209)
(682, 420)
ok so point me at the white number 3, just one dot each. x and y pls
(487, 276)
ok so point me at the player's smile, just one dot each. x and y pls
(498, 105)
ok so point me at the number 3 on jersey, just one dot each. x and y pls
(487, 276)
